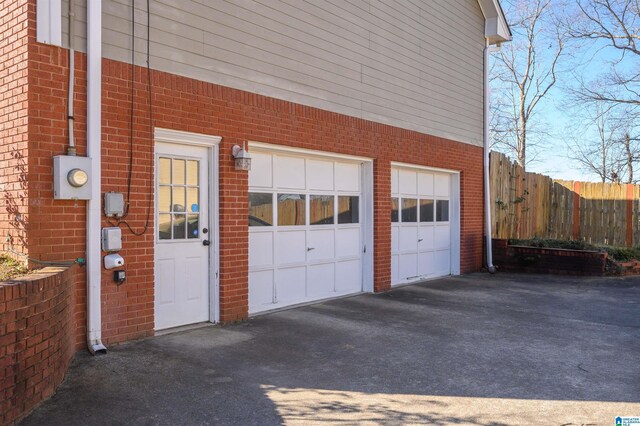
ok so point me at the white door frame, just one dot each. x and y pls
(367, 202)
(210, 142)
(454, 220)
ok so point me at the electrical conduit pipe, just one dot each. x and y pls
(71, 150)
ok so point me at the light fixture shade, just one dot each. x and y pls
(243, 163)
(242, 158)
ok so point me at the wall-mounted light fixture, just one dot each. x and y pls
(243, 158)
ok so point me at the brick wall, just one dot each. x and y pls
(14, 42)
(36, 338)
(185, 104)
(548, 260)
(56, 227)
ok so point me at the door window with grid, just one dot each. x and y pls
(178, 198)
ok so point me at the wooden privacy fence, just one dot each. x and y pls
(527, 205)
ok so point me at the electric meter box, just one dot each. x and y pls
(71, 177)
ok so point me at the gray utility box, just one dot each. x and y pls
(112, 239)
(113, 204)
(71, 177)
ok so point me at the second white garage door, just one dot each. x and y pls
(305, 229)
(424, 232)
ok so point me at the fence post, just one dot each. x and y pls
(630, 191)
(576, 210)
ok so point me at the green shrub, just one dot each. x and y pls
(559, 244)
(623, 254)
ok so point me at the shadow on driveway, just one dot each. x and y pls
(477, 349)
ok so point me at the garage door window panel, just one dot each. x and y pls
(260, 209)
(348, 209)
(321, 209)
(395, 207)
(409, 210)
(426, 210)
(291, 209)
(442, 211)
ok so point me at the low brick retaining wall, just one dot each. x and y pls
(629, 268)
(548, 260)
(36, 338)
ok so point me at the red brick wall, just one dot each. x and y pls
(548, 260)
(56, 227)
(36, 339)
(14, 43)
(190, 105)
(33, 128)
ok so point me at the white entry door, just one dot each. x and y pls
(421, 231)
(183, 235)
(305, 229)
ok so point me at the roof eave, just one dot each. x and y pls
(496, 28)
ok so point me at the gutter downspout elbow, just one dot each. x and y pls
(94, 152)
(487, 195)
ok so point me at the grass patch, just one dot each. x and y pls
(10, 268)
(620, 254)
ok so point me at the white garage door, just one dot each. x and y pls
(421, 231)
(305, 229)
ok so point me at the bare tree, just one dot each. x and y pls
(605, 142)
(613, 24)
(612, 27)
(524, 71)
(599, 157)
(629, 154)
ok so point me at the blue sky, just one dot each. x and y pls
(561, 119)
(555, 159)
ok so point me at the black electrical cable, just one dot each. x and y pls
(131, 112)
(150, 94)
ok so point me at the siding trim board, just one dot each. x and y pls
(49, 22)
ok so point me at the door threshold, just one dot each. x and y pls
(181, 328)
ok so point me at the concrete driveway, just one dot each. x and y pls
(477, 350)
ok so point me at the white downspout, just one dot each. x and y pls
(94, 146)
(487, 186)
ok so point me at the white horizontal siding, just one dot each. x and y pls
(415, 64)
